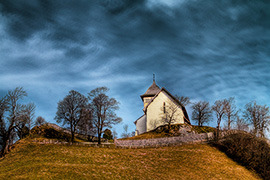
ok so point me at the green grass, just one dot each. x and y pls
(33, 161)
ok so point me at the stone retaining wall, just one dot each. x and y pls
(53, 141)
(166, 141)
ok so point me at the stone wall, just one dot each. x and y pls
(90, 144)
(166, 141)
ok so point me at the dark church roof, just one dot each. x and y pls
(151, 91)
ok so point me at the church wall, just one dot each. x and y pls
(155, 111)
(146, 100)
(141, 125)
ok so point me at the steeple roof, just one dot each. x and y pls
(151, 91)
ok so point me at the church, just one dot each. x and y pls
(159, 105)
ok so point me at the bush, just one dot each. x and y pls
(49, 132)
(248, 150)
(107, 134)
(203, 129)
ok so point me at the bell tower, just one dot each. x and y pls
(150, 93)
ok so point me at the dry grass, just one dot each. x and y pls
(203, 129)
(160, 134)
(32, 161)
(148, 135)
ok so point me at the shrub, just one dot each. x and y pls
(248, 150)
(203, 129)
(50, 132)
(107, 134)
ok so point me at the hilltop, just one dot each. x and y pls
(29, 160)
(176, 130)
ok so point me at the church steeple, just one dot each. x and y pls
(150, 93)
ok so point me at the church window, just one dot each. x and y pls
(164, 108)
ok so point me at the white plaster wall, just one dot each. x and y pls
(141, 125)
(155, 111)
(146, 100)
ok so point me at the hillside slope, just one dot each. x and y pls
(33, 161)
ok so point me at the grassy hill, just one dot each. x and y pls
(29, 160)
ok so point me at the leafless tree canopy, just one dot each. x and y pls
(85, 126)
(40, 121)
(169, 114)
(201, 112)
(219, 110)
(114, 134)
(258, 116)
(26, 116)
(125, 134)
(241, 124)
(12, 115)
(230, 111)
(103, 110)
(70, 110)
(183, 100)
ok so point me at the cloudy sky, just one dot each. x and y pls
(203, 49)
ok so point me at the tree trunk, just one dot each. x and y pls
(218, 128)
(99, 138)
(72, 137)
(4, 148)
(229, 123)
(72, 132)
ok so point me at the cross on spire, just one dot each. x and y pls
(154, 80)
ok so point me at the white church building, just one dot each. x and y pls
(156, 103)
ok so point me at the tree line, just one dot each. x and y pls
(80, 114)
(255, 116)
(88, 115)
(95, 113)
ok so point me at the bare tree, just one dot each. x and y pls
(103, 110)
(3, 109)
(114, 134)
(40, 121)
(26, 116)
(241, 124)
(183, 100)
(201, 112)
(230, 111)
(258, 116)
(10, 111)
(70, 110)
(219, 110)
(125, 134)
(169, 114)
(85, 126)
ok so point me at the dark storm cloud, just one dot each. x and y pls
(27, 17)
(23, 64)
(203, 49)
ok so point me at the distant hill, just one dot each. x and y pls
(29, 160)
